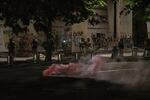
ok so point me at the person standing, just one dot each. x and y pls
(114, 49)
(121, 47)
(11, 51)
(114, 52)
(34, 50)
(82, 45)
(88, 45)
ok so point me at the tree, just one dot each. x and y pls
(141, 14)
(44, 12)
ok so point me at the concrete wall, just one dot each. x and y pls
(110, 18)
(148, 28)
(3, 47)
(102, 27)
(124, 22)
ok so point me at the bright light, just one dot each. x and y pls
(64, 41)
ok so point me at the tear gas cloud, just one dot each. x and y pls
(129, 73)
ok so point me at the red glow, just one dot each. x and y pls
(76, 68)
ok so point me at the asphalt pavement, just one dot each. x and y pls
(120, 80)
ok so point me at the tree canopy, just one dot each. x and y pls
(70, 11)
(46, 11)
(141, 14)
(140, 6)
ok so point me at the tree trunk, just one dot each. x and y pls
(49, 43)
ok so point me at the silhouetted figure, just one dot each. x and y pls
(82, 45)
(11, 51)
(34, 50)
(88, 45)
(146, 47)
(114, 52)
(121, 47)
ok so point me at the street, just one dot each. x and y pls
(118, 80)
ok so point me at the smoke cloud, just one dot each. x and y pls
(132, 74)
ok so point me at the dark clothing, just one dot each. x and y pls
(11, 51)
(121, 45)
(34, 46)
(114, 52)
(34, 50)
(11, 48)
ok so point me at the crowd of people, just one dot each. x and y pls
(102, 41)
(116, 45)
(12, 50)
(85, 45)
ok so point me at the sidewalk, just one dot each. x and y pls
(126, 54)
(2, 59)
(106, 55)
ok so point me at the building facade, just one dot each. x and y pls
(99, 33)
(103, 31)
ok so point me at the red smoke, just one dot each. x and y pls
(76, 68)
